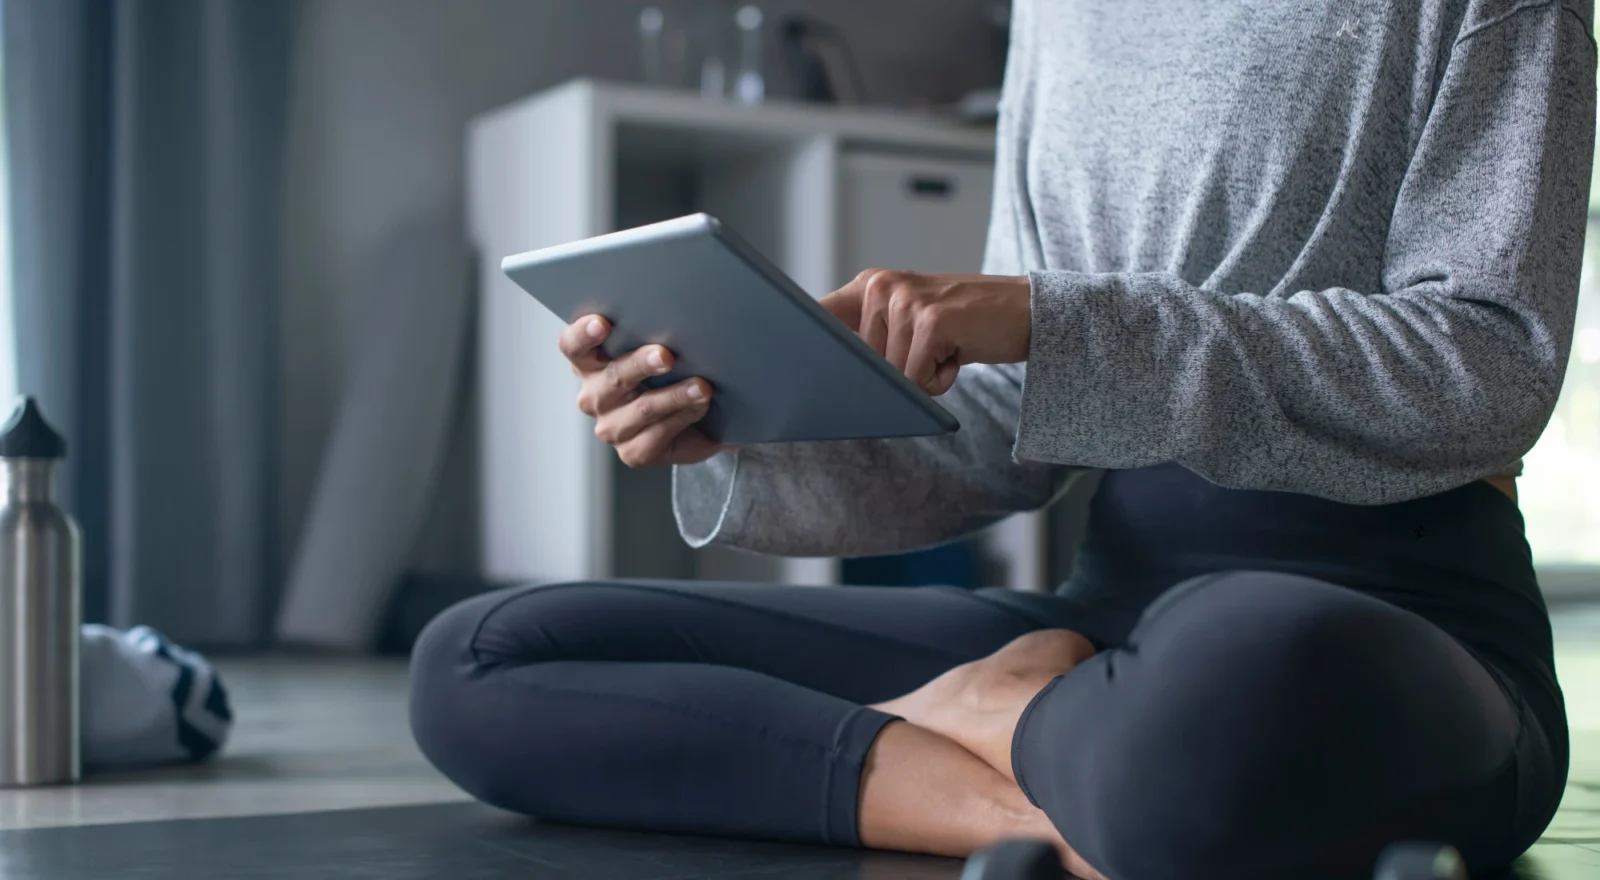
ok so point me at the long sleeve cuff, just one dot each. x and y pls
(1073, 392)
(702, 495)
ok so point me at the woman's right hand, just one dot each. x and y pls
(647, 427)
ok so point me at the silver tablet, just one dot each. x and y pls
(781, 367)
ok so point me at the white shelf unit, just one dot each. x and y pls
(812, 188)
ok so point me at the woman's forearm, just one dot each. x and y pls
(866, 497)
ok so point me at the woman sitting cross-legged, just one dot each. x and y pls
(1299, 279)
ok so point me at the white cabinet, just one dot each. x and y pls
(823, 192)
(899, 211)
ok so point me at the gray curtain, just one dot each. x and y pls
(145, 152)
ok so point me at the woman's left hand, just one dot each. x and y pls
(930, 326)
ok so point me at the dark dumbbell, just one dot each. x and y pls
(1037, 860)
(1015, 860)
(1420, 861)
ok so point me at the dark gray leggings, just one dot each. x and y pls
(1252, 724)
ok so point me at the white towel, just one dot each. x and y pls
(147, 701)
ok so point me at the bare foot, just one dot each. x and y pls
(978, 704)
(920, 792)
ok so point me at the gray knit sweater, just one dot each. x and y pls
(1317, 246)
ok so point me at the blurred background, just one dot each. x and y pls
(251, 251)
(240, 275)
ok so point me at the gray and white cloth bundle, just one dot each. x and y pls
(147, 701)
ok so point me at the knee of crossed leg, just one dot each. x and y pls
(1275, 727)
(440, 660)
(460, 716)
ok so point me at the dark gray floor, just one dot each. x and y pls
(439, 842)
(466, 841)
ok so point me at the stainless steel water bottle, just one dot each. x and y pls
(40, 608)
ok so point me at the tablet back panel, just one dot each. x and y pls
(781, 367)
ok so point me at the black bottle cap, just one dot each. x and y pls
(28, 435)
